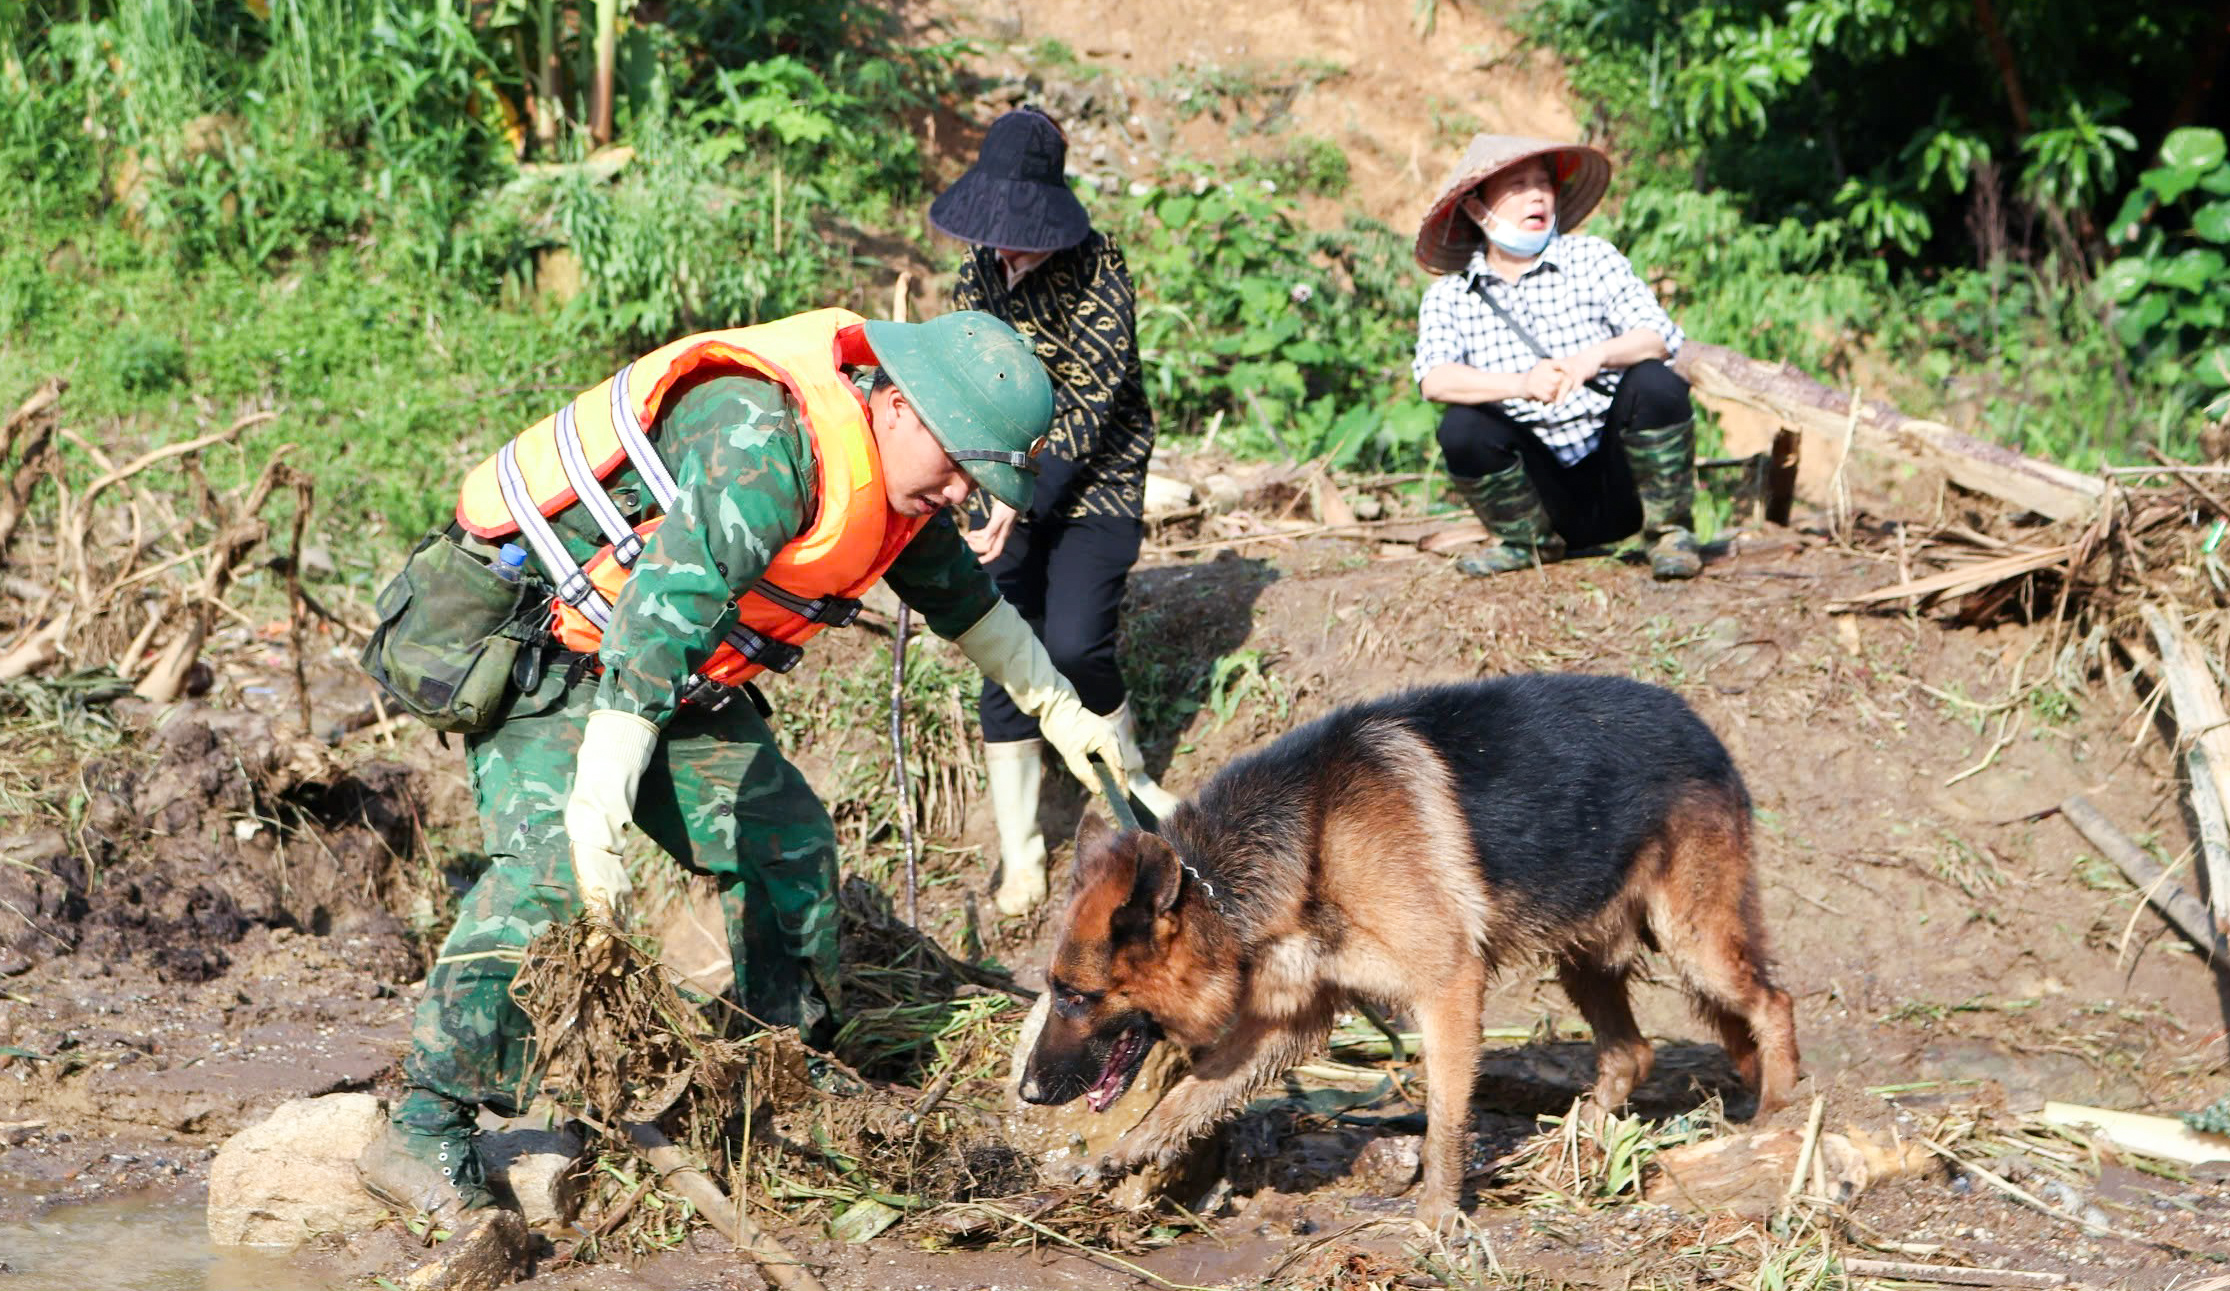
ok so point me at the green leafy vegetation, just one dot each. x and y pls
(1276, 340)
(398, 221)
(2009, 211)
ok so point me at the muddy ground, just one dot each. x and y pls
(232, 915)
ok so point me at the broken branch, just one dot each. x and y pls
(781, 1267)
(2180, 907)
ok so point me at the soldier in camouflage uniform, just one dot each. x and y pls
(710, 787)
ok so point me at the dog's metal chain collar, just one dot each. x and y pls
(1118, 801)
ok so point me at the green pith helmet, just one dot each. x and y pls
(978, 386)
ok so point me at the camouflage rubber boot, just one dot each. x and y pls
(425, 1161)
(1507, 505)
(1663, 459)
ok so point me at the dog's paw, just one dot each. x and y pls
(1439, 1214)
(1084, 1172)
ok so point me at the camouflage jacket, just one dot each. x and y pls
(739, 453)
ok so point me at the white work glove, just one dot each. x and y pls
(615, 749)
(1003, 647)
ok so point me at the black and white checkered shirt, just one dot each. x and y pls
(1581, 291)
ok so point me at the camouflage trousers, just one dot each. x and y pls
(718, 797)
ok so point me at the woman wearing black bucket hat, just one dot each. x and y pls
(1037, 263)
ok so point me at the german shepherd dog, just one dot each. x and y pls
(1404, 851)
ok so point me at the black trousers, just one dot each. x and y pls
(1592, 501)
(1067, 578)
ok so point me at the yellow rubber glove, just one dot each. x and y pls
(615, 748)
(1002, 646)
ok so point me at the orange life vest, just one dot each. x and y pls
(814, 580)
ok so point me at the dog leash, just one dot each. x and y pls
(1118, 800)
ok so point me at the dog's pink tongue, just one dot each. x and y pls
(1102, 1095)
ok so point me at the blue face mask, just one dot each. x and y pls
(1522, 243)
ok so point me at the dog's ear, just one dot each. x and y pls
(1093, 853)
(1159, 878)
(1090, 829)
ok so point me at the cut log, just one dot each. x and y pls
(2206, 727)
(1746, 1174)
(489, 1252)
(30, 426)
(1778, 395)
(41, 402)
(2151, 1136)
(2181, 908)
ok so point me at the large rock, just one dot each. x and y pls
(531, 1170)
(293, 1176)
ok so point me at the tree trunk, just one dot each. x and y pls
(607, 56)
(1767, 396)
(2001, 51)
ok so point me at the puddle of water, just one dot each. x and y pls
(133, 1244)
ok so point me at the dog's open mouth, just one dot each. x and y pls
(1123, 1062)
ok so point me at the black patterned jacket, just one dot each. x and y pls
(1078, 308)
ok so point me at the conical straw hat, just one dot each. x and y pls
(1447, 237)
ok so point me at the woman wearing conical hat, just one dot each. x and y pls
(1563, 428)
(1036, 262)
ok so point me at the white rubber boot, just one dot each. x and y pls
(1150, 795)
(1016, 769)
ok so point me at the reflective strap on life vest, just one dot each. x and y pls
(638, 447)
(626, 543)
(833, 611)
(768, 653)
(573, 586)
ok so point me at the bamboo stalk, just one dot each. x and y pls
(1950, 1274)
(607, 58)
(2205, 727)
(780, 1267)
(2180, 907)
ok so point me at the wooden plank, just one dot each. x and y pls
(2181, 908)
(2206, 728)
(2152, 1136)
(1963, 579)
(1783, 394)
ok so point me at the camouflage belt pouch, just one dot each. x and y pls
(449, 632)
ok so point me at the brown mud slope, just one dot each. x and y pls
(224, 925)
(1140, 82)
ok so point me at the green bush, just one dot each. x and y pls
(1291, 343)
(141, 362)
(1817, 178)
(2167, 288)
